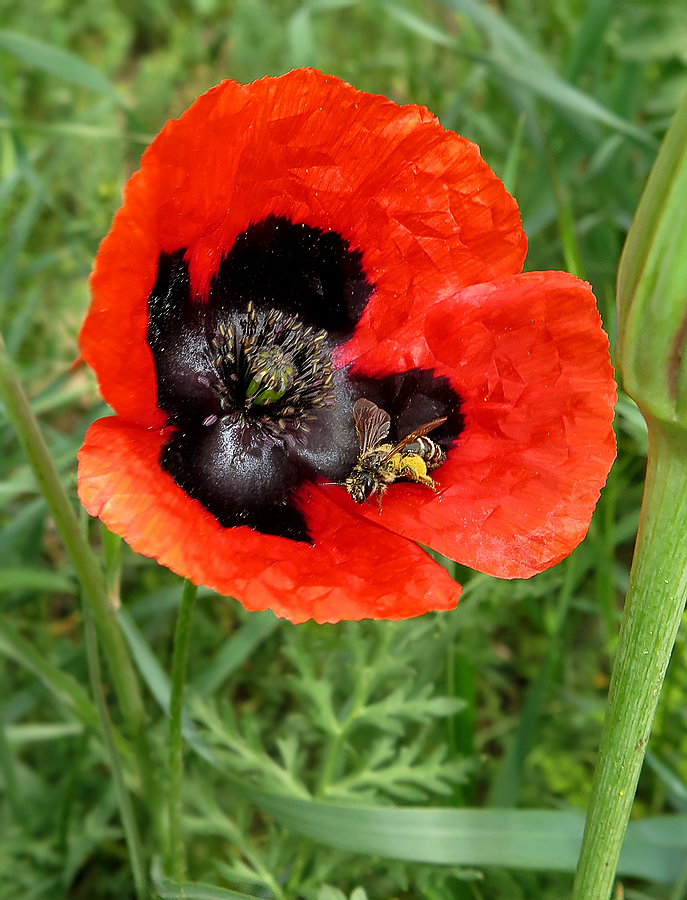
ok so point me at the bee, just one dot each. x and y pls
(379, 464)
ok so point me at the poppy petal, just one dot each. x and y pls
(353, 572)
(529, 360)
(427, 213)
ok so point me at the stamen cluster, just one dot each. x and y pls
(272, 371)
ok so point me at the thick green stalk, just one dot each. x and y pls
(176, 703)
(133, 841)
(652, 616)
(85, 563)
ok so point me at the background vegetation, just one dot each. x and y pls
(496, 704)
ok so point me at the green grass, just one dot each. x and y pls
(498, 704)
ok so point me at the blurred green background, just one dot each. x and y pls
(568, 101)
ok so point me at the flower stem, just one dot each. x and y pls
(83, 558)
(652, 616)
(126, 812)
(176, 702)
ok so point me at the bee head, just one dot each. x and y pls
(360, 486)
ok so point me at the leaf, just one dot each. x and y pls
(37, 731)
(419, 26)
(523, 839)
(633, 422)
(329, 892)
(388, 714)
(34, 580)
(497, 27)
(444, 706)
(301, 41)
(241, 756)
(545, 83)
(410, 776)
(57, 62)
(186, 890)
(153, 674)
(146, 661)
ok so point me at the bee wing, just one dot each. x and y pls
(371, 424)
(414, 435)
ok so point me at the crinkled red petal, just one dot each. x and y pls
(428, 214)
(530, 360)
(355, 570)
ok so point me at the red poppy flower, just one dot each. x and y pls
(286, 248)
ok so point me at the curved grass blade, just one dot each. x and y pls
(654, 848)
(57, 62)
(420, 27)
(545, 83)
(145, 660)
(26, 579)
(75, 130)
(531, 839)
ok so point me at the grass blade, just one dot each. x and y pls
(25, 579)
(527, 839)
(56, 62)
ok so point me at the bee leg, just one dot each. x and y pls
(380, 490)
(420, 479)
(414, 469)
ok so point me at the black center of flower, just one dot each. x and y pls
(245, 375)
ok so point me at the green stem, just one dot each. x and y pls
(112, 566)
(332, 754)
(126, 812)
(84, 560)
(652, 616)
(176, 702)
